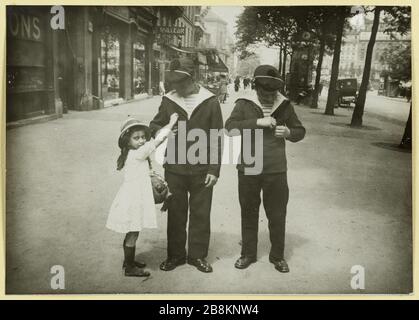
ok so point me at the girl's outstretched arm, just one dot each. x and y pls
(164, 132)
(147, 149)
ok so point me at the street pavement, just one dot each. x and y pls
(350, 204)
(395, 110)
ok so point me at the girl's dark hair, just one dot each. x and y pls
(123, 144)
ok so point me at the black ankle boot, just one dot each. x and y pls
(131, 269)
(139, 264)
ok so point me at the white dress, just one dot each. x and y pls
(133, 207)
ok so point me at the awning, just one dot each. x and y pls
(215, 63)
(180, 50)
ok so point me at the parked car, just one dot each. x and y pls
(347, 90)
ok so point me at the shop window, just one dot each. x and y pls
(110, 57)
(139, 68)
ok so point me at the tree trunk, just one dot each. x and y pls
(315, 96)
(284, 63)
(406, 142)
(362, 94)
(331, 95)
(280, 61)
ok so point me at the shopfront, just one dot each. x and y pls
(30, 65)
(105, 55)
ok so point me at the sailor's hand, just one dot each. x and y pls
(282, 132)
(267, 122)
(210, 180)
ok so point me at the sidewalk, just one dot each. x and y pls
(350, 204)
(384, 108)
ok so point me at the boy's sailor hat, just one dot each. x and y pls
(268, 77)
(180, 69)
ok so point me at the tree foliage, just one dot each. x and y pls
(287, 27)
(271, 26)
(396, 21)
(397, 58)
(247, 65)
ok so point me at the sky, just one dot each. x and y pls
(230, 14)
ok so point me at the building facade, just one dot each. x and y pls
(94, 57)
(99, 56)
(354, 48)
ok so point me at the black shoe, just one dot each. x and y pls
(201, 264)
(134, 271)
(138, 264)
(280, 265)
(171, 264)
(129, 256)
(243, 262)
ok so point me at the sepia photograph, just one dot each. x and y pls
(263, 150)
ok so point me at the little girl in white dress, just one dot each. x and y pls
(133, 207)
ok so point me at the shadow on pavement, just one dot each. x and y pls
(223, 246)
(391, 146)
(335, 115)
(346, 125)
(227, 246)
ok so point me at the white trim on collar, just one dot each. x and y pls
(202, 95)
(252, 96)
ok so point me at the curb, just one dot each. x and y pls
(29, 121)
(50, 117)
(120, 101)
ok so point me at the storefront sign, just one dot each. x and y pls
(23, 26)
(171, 30)
(25, 51)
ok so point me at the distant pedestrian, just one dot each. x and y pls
(133, 207)
(270, 111)
(223, 89)
(237, 84)
(245, 82)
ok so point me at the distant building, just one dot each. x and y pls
(178, 33)
(217, 37)
(353, 52)
(217, 28)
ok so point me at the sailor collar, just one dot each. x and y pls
(254, 98)
(202, 95)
